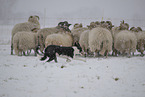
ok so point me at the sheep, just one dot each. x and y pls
(64, 39)
(100, 40)
(125, 42)
(140, 41)
(107, 24)
(33, 22)
(43, 33)
(24, 41)
(76, 32)
(115, 31)
(83, 41)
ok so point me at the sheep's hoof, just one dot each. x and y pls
(142, 55)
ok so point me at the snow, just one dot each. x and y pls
(27, 76)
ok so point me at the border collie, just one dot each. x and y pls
(51, 51)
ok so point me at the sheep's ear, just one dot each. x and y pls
(69, 25)
(127, 25)
(31, 17)
(139, 28)
(132, 28)
(37, 17)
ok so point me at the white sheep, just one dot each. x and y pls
(83, 41)
(100, 40)
(115, 31)
(125, 42)
(77, 32)
(24, 41)
(33, 22)
(43, 33)
(62, 39)
(140, 42)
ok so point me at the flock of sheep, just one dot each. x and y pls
(98, 38)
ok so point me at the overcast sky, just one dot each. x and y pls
(86, 8)
(129, 9)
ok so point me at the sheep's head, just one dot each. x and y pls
(124, 26)
(97, 23)
(92, 25)
(34, 19)
(78, 25)
(138, 29)
(109, 25)
(64, 26)
(60, 24)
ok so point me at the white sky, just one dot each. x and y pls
(132, 11)
(83, 8)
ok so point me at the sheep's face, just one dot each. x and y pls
(78, 25)
(33, 19)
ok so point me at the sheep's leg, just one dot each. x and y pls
(85, 52)
(106, 53)
(129, 55)
(19, 53)
(123, 53)
(133, 53)
(94, 54)
(12, 49)
(24, 54)
(142, 54)
(28, 53)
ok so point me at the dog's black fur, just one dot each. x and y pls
(51, 51)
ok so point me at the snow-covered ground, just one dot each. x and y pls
(27, 76)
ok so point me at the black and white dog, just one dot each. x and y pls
(51, 51)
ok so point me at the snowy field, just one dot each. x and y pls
(27, 76)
